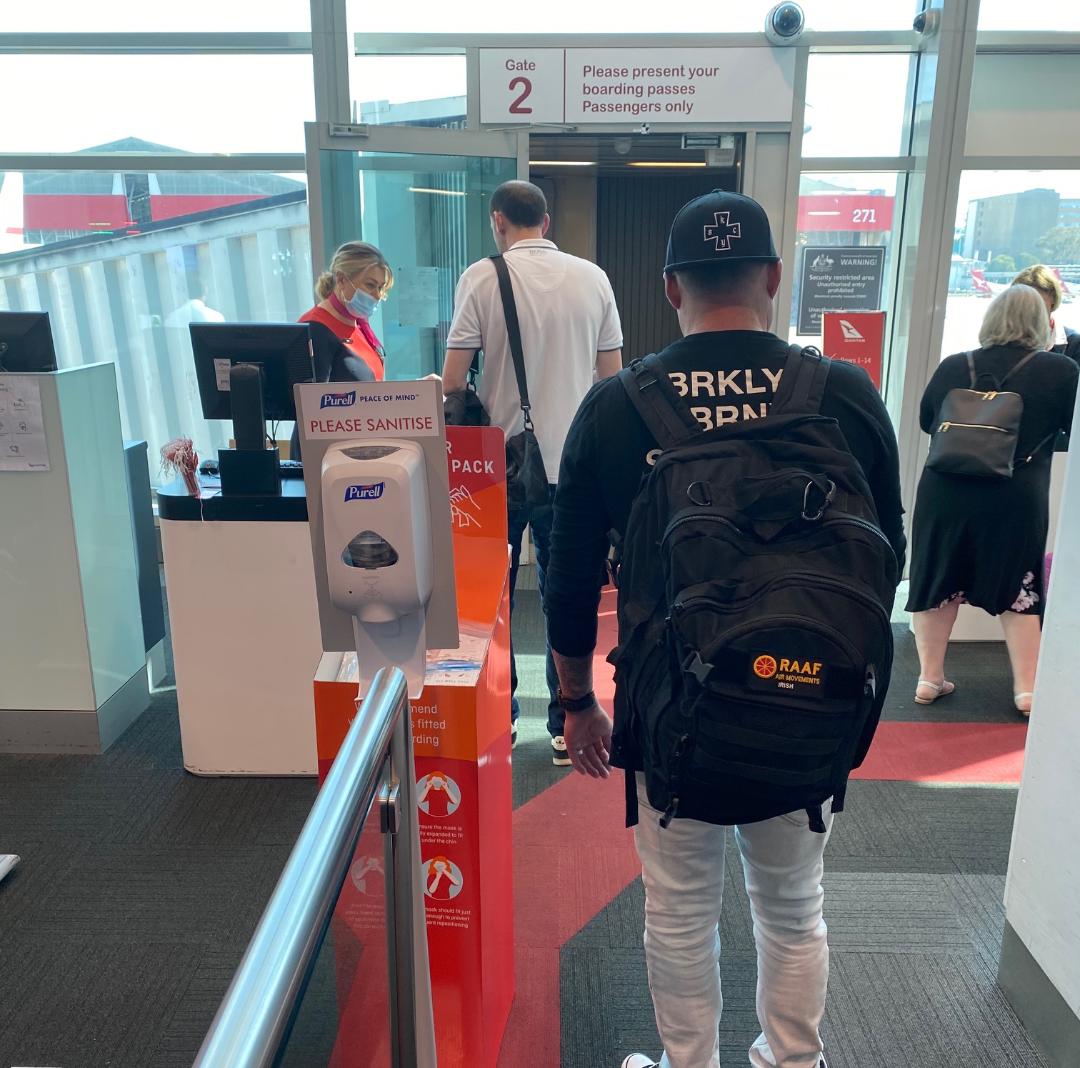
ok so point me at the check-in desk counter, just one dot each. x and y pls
(245, 628)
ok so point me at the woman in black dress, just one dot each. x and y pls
(982, 541)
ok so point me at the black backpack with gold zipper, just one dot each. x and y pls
(978, 430)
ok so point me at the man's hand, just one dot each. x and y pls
(588, 741)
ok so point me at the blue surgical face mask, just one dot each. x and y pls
(361, 304)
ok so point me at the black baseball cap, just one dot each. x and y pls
(719, 227)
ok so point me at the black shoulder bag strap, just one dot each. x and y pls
(1019, 365)
(1049, 437)
(652, 394)
(513, 334)
(975, 377)
(802, 384)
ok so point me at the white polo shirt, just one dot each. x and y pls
(566, 311)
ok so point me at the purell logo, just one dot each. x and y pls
(365, 493)
(338, 400)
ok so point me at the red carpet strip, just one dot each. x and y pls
(573, 856)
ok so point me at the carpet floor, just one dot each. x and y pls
(915, 873)
(140, 886)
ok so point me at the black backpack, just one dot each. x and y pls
(755, 590)
(978, 430)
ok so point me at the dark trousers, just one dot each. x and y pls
(539, 518)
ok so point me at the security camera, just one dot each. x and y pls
(784, 24)
(644, 128)
(926, 23)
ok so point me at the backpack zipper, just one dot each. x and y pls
(681, 747)
(707, 517)
(948, 424)
(865, 524)
(786, 578)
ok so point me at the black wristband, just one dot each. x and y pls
(576, 704)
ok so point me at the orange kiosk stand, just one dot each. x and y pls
(461, 739)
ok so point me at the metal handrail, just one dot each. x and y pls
(260, 1005)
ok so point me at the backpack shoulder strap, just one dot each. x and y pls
(1020, 364)
(971, 368)
(652, 394)
(802, 384)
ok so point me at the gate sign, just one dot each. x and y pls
(635, 85)
(856, 337)
(838, 279)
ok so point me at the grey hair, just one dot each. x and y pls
(1017, 316)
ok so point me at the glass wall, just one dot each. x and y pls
(157, 104)
(137, 16)
(573, 17)
(1054, 15)
(857, 104)
(424, 90)
(844, 247)
(125, 256)
(429, 216)
(1005, 221)
(123, 262)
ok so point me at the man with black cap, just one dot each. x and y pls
(721, 276)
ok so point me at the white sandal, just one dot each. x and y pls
(942, 689)
(1018, 697)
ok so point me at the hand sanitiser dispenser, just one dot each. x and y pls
(377, 537)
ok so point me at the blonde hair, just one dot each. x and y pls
(349, 260)
(1016, 316)
(1042, 279)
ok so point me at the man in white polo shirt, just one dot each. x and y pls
(570, 336)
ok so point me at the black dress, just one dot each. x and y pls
(979, 540)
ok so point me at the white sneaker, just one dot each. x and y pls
(559, 756)
(640, 1060)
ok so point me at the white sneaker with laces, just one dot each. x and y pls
(640, 1060)
(559, 756)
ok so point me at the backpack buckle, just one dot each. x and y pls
(698, 668)
(830, 493)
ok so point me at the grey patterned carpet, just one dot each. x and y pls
(140, 886)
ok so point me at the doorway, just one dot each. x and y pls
(612, 198)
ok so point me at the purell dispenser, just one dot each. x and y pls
(377, 537)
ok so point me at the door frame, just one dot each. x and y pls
(404, 140)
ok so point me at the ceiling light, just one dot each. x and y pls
(437, 192)
(651, 163)
(560, 163)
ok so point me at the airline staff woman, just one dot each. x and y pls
(342, 341)
(349, 291)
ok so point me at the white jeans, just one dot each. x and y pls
(682, 867)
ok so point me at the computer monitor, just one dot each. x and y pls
(282, 351)
(26, 342)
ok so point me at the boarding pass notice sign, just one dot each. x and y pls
(23, 446)
(636, 85)
(365, 410)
